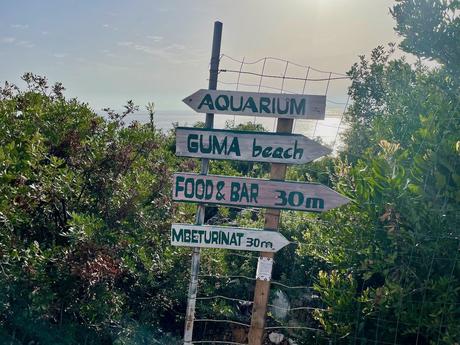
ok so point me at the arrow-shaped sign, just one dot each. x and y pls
(209, 236)
(251, 192)
(247, 146)
(258, 104)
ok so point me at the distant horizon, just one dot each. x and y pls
(159, 51)
(327, 130)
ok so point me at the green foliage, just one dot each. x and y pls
(85, 210)
(431, 29)
(339, 291)
(391, 255)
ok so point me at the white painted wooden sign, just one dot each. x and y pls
(209, 236)
(247, 146)
(287, 106)
(250, 192)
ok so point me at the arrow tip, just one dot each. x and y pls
(283, 241)
(187, 100)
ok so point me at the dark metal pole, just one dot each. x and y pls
(193, 287)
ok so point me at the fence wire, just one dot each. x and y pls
(271, 74)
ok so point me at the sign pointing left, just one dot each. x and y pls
(209, 236)
(280, 105)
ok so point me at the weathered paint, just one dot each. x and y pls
(271, 221)
(250, 192)
(258, 104)
(247, 146)
(209, 236)
(264, 268)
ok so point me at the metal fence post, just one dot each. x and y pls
(193, 287)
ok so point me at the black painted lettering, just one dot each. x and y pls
(287, 153)
(298, 152)
(298, 109)
(218, 147)
(207, 100)
(282, 198)
(192, 144)
(209, 190)
(264, 105)
(177, 235)
(254, 192)
(189, 187)
(199, 189)
(222, 102)
(235, 191)
(256, 149)
(278, 153)
(314, 203)
(267, 152)
(234, 147)
(179, 187)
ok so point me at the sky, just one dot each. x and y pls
(106, 52)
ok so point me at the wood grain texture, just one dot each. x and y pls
(226, 237)
(272, 219)
(247, 146)
(250, 192)
(288, 106)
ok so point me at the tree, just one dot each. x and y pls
(392, 271)
(85, 210)
(431, 29)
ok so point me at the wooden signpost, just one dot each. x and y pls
(265, 262)
(282, 105)
(251, 192)
(208, 236)
(280, 148)
(247, 146)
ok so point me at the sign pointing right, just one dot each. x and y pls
(210, 236)
(252, 192)
(247, 146)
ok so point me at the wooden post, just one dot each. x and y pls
(272, 217)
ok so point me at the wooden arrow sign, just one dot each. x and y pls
(208, 236)
(247, 146)
(258, 104)
(250, 192)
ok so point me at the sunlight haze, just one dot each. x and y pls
(107, 52)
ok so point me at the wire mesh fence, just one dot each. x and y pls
(276, 75)
(297, 320)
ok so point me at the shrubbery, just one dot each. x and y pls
(85, 212)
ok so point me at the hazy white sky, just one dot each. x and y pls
(108, 51)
